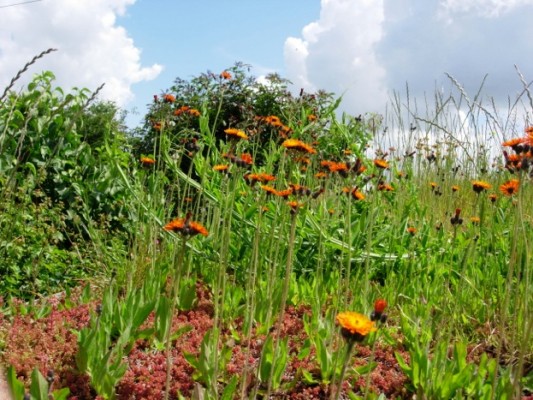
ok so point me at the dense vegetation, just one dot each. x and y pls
(216, 251)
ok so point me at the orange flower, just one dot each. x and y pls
(269, 189)
(261, 177)
(479, 186)
(514, 142)
(377, 314)
(433, 185)
(186, 227)
(299, 189)
(169, 98)
(355, 326)
(295, 144)
(382, 187)
(221, 168)
(194, 112)
(311, 117)
(247, 158)
(475, 220)
(284, 193)
(381, 163)
(147, 161)
(181, 110)
(411, 230)
(455, 188)
(510, 188)
(225, 75)
(493, 198)
(355, 193)
(294, 205)
(236, 133)
(380, 305)
(320, 175)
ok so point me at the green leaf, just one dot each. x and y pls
(16, 386)
(61, 394)
(229, 390)
(39, 385)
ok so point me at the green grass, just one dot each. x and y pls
(458, 295)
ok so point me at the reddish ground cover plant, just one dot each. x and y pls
(50, 344)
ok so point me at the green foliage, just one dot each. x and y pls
(40, 388)
(58, 185)
(110, 337)
(433, 374)
(205, 364)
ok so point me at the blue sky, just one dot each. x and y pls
(364, 50)
(191, 37)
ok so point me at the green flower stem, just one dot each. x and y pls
(349, 347)
(284, 295)
(174, 292)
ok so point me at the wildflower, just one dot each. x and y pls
(311, 118)
(246, 159)
(455, 188)
(147, 161)
(295, 144)
(355, 193)
(411, 230)
(493, 198)
(475, 220)
(377, 314)
(169, 98)
(514, 142)
(433, 185)
(269, 189)
(186, 227)
(236, 133)
(479, 186)
(510, 188)
(340, 167)
(261, 177)
(284, 193)
(272, 120)
(382, 187)
(299, 190)
(456, 219)
(381, 163)
(355, 326)
(320, 175)
(221, 168)
(284, 131)
(225, 75)
(294, 205)
(186, 110)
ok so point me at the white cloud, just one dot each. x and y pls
(371, 48)
(336, 54)
(486, 8)
(92, 48)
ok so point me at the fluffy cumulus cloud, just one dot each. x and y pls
(369, 48)
(92, 48)
(337, 53)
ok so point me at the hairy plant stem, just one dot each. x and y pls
(338, 388)
(178, 266)
(251, 303)
(284, 295)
